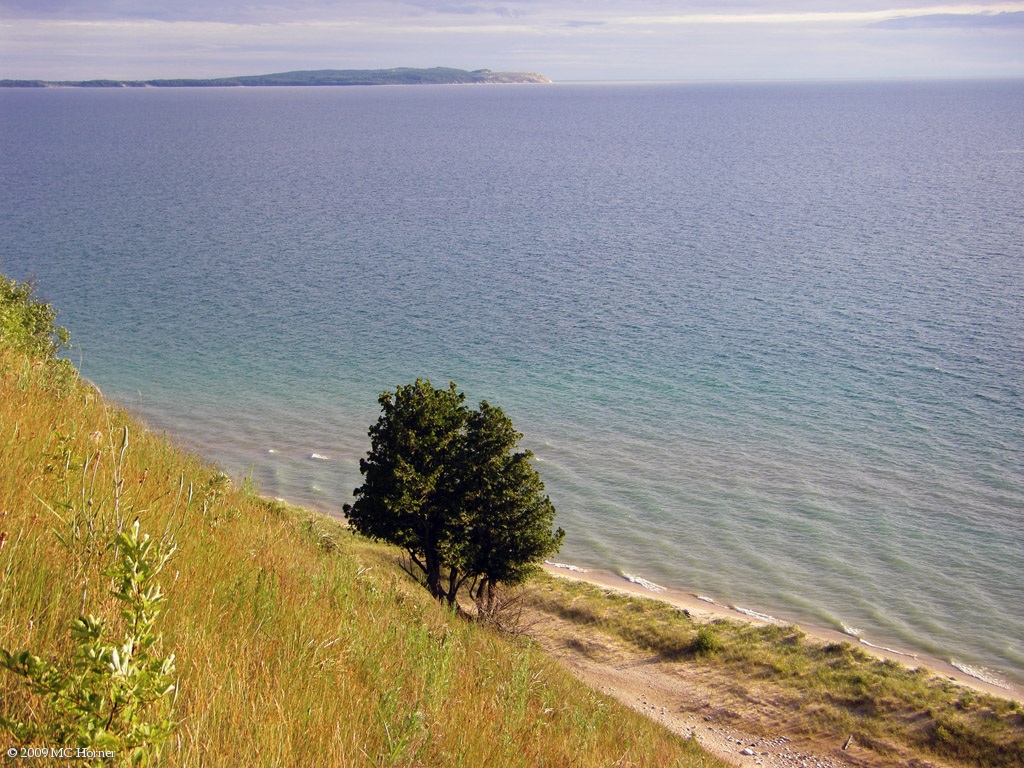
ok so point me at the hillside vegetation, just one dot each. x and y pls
(294, 642)
(317, 77)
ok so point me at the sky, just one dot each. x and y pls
(567, 40)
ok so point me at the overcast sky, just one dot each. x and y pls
(564, 39)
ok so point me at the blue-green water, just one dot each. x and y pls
(767, 341)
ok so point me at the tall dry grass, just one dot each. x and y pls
(297, 643)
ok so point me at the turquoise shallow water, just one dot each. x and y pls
(767, 341)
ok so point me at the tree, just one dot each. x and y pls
(445, 483)
(509, 517)
(405, 496)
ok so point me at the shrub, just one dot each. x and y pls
(29, 325)
(705, 641)
(117, 695)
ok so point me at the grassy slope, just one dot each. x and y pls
(297, 643)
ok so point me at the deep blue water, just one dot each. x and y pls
(767, 341)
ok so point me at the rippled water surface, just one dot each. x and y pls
(767, 341)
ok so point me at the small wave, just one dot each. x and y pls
(643, 583)
(887, 649)
(566, 567)
(757, 615)
(319, 457)
(271, 450)
(980, 673)
(989, 398)
(853, 631)
(708, 600)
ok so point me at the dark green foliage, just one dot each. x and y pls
(705, 641)
(99, 84)
(22, 84)
(508, 518)
(406, 494)
(445, 483)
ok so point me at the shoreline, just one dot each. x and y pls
(707, 608)
(703, 607)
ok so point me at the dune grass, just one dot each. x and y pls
(296, 642)
(833, 688)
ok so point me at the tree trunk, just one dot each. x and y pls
(478, 597)
(433, 575)
(453, 585)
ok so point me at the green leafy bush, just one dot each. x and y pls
(706, 641)
(29, 325)
(117, 696)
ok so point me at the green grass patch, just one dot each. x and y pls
(839, 687)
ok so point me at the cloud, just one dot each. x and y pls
(468, 10)
(565, 39)
(250, 11)
(572, 13)
(223, 11)
(874, 16)
(1001, 20)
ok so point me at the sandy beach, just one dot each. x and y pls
(740, 721)
(706, 608)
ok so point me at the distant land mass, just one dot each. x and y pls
(397, 76)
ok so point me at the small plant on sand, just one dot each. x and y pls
(117, 696)
(706, 641)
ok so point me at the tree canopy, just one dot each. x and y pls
(448, 485)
